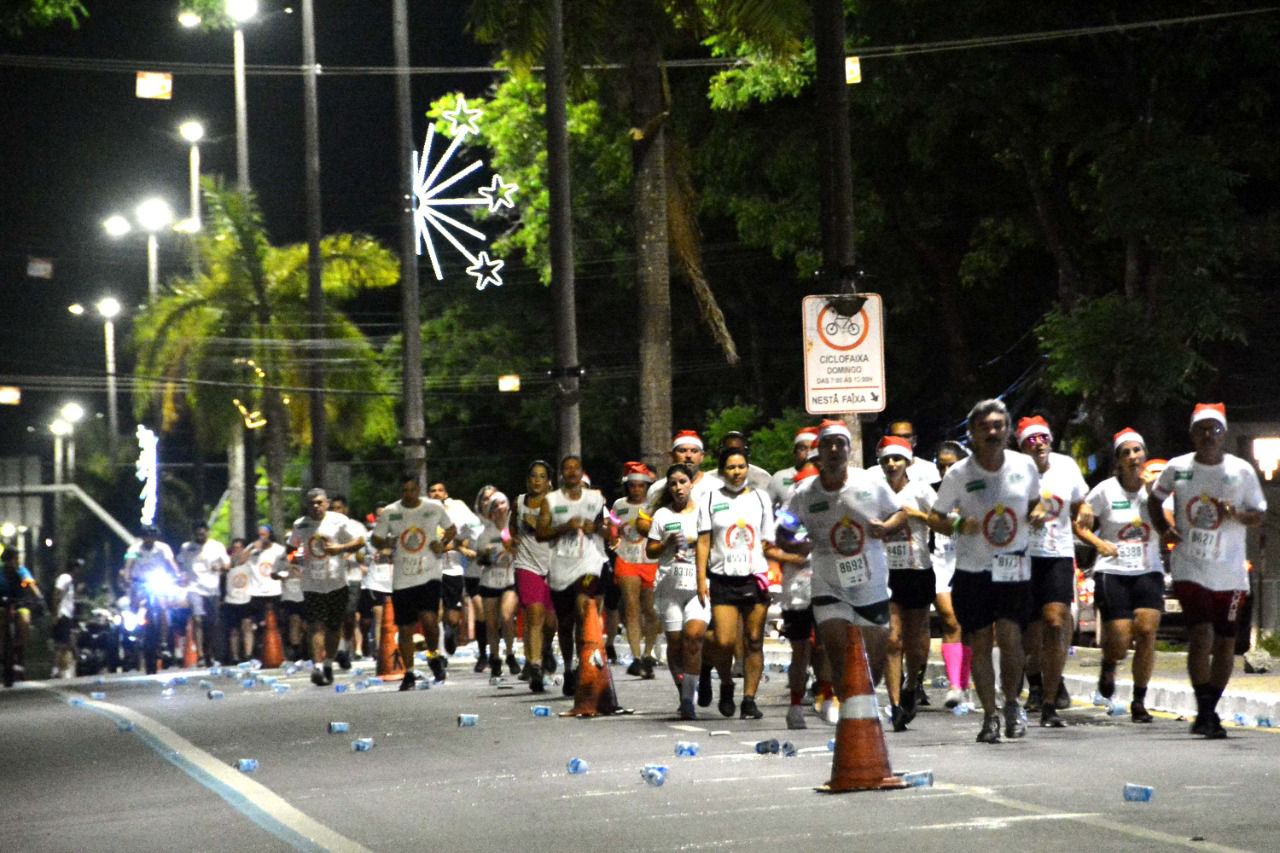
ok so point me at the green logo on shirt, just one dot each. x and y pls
(561, 509)
(622, 512)
(975, 485)
(1181, 475)
(1121, 505)
(395, 516)
(719, 507)
(672, 525)
(820, 506)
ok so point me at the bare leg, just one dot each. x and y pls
(753, 643)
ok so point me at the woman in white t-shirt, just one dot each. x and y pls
(735, 542)
(672, 536)
(956, 655)
(495, 553)
(532, 564)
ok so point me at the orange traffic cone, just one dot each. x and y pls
(861, 761)
(189, 657)
(390, 663)
(594, 696)
(272, 648)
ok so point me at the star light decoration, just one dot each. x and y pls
(429, 182)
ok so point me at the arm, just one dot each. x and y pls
(442, 544)
(545, 531)
(1086, 534)
(878, 529)
(1155, 509)
(702, 555)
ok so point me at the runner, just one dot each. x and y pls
(17, 582)
(911, 580)
(920, 470)
(956, 655)
(634, 571)
(236, 616)
(205, 560)
(986, 503)
(757, 478)
(352, 643)
(797, 614)
(458, 553)
(64, 611)
(735, 538)
(418, 533)
(473, 605)
(532, 563)
(688, 450)
(1216, 496)
(375, 589)
(570, 520)
(671, 534)
(1128, 575)
(289, 573)
(496, 554)
(847, 513)
(1053, 571)
(262, 556)
(324, 537)
(782, 483)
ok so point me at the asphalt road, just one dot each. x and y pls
(73, 780)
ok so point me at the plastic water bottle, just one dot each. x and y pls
(125, 725)
(215, 671)
(1138, 793)
(243, 666)
(76, 702)
(768, 747)
(919, 779)
(941, 682)
(339, 688)
(339, 728)
(1099, 701)
(1117, 709)
(374, 681)
(247, 765)
(249, 683)
(206, 684)
(1265, 723)
(358, 672)
(962, 709)
(789, 749)
(468, 720)
(167, 693)
(831, 745)
(686, 749)
(654, 774)
(291, 669)
(362, 744)
(99, 680)
(279, 689)
(269, 680)
(255, 664)
(1244, 720)
(360, 685)
(97, 695)
(576, 767)
(177, 681)
(215, 694)
(541, 710)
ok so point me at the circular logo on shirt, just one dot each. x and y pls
(1052, 505)
(240, 581)
(316, 545)
(740, 536)
(847, 537)
(1203, 513)
(1134, 531)
(413, 540)
(266, 568)
(1000, 526)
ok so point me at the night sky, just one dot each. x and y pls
(77, 145)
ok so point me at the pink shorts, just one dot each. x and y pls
(532, 588)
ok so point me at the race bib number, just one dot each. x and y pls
(1130, 555)
(854, 571)
(899, 554)
(738, 558)
(1203, 545)
(685, 575)
(571, 547)
(1010, 568)
(411, 567)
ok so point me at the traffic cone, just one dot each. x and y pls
(390, 663)
(861, 760)
(594, 696)
(189, 657)
(272, 648)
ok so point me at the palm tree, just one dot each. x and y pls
(238, 332)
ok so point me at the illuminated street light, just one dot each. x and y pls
(116, 225)
(191, 130)
(153, 214)
(60, 428)
(108, 308)
(242, 10)
(189, 19)
(72, 413)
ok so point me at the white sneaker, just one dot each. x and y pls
(795, 717)
(831, 711)
(954, 698)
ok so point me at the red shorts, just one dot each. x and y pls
(647, 572)
(1200, 605)
(532, 588)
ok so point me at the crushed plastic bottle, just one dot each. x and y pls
(768, 747)
(168, 693)
(1265, 723)
(1099, 701)
(362, 744)
(243, 666)
(76, 701)
(831, 745)
(339, 688)
(268, 680)
(687, 749)
(249, 683)
(374, 681)
(1243, 720)
(97, 695)
(789, 749)
(654, 774)
(339, 727)
(279, 689)
(215, 694)
(206, 684)
(360, 684)
(291, 669)
(247, 765)
(1138, 793)
(919, 779)
(1117, 709)
(124, 725)
(962, 709)
(576, 767)
(541, 710)
(177, 681)
(215, 671)
(468, 720)
(941, 682)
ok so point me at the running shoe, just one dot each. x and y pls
(513, 665)
(482, 664)
(1049, 718)
(317, 678)
(990, 731)
(1015, 720)
(527, 672)
(704, 689)
(495, 666)
(687, 711)
(898, 717)
(748, 709)
(831, 711)
(727, 706)
(646, 668)
(908, 700)
(795, 717)
(1216, 731)
(328, 673)
(535, 680)
(450, 639)
(1138, 711)
(408, 682)
(635, 667)
(548, 661)
(438, 667)
(922, 698)
(954, 698)
(343, 659)
(1035, 698)
(1063, 702)
(611, 653)
(570, 682)
(1107, 680)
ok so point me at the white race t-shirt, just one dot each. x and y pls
(702, 486)
(381, 572)
(469, 529)
(205, 562)
(1061, 485)
(782, 486)
(321, 572)
(998, 500)
(739, 526)
(1212, 550)
(848, 564)
(1124, 522)
(677, 568)
(630, 546)
(908, 547)
(65, 585)
(140, 562)
(920, 471)
(574, 554)
(239, 578)
(531, 555)
(497, 563)
(264, 584)
(412, 530)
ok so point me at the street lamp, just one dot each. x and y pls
(108, 308)
(241, 11)
(153, 215)
(193, 131)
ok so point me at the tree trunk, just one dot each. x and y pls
(653, 278)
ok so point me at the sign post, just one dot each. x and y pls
(843, 356)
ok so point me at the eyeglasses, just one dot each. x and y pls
(1036, 439)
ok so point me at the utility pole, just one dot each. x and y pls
(315, 263)
(567, 370)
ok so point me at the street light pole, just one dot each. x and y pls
(315, 263)
(193, 132)
(242, 115)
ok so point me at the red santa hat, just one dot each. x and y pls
(1209, 412)
(828, 428)
(894, 445)
(636, 472)
(1127, 434)
(808, 435)
(687, 438)
(1037, 425)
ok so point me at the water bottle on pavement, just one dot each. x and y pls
(686, 749)
(919, 779)
(97, 695)
(215, 694)
(339, 688)
(654, 774)
(768, 747)
(1117, 709)
(831, 745)
(206, 684)
(1138, 793)
(962, 709)
(541, 710)
(124, 725)
(249, 683)
(279, 689)
(339, 727)
(468, 720)
(168, 692)
(576, 767)
(247, 765)
(789, 749)
(362, 744)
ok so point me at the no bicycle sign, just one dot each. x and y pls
(843, 355)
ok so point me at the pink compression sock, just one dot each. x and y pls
(966, 660)
(952, 659)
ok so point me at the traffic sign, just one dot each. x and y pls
(843, 356)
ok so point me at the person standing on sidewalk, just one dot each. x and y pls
(1128, 576)
(1053, 570)
(1215, 497)
(987, 503)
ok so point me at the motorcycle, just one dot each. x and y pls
(98, 642)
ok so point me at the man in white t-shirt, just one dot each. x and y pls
(1215, 497)
(64, 612)
(687, 449)
(458, 554)
(988, 503)
(324, 538)
(205, 560)
(1053, 570)
(782, 483)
